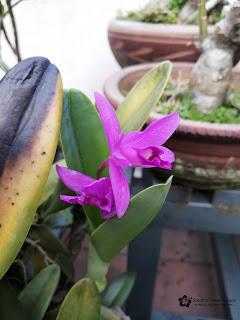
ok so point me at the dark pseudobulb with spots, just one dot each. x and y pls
(31, 97)
(21, 90)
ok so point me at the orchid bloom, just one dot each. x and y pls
(137, 149)
(91, 192)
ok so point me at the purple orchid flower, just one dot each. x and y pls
(90, 192)
(137, 149)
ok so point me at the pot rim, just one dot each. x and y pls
(112, 92)
(153, 29)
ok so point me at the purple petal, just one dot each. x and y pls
(73, 199)
(156, 134)
(120, 188)
(109, 120)
(92, 192)
(74, 180)
(155, 157)
(149, 157)
(167, 155)
(106, 215)
(100, 187)
(100, 194)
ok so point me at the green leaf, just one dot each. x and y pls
(36, 296)
(119, 290)
(52, 181)
(53, 204)
(65, 263)
(10, 308)
(69, 141)
(81, 303)
(97, 269)
(143, 97)
(83, 140)
(50, 202)
(113, 235)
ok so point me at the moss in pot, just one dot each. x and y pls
(177, 97)
(172, 12)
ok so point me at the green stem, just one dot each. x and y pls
(102, 166)
(108, 314)
(202, 15)
(97, 269)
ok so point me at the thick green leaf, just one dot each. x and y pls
(50, 202)
(65, 263)
(119, 290)
(143, 97)
(53, 204)
(69, 141)
(83, 140)
(113, 235)
(52, 182)
(97, 269)
(10, 308)
(81, 303)
(36, 296)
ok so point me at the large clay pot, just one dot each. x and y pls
(138, 42)
(207, 155)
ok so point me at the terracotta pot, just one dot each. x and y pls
(138, 42)
(207, 155)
